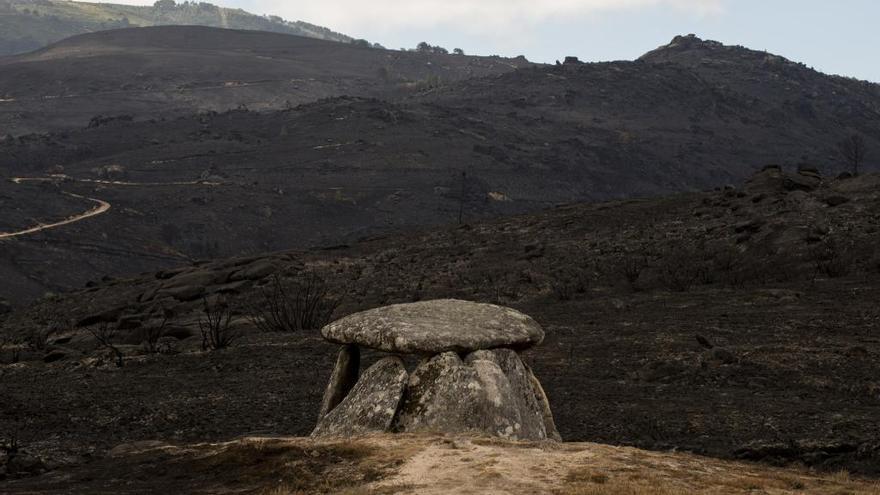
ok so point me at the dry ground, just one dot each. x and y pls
(424, 465)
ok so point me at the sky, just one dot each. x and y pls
(837, 37)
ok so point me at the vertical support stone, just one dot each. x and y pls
(371, 405)
(343, 379)
(531, 411)
(549, 424)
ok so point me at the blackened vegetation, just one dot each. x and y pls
(153, 334)
(106, 335)
(531, 139)
(832, 259)
(37, 338)
(566, 284)
(853, 149)
(780, 277)
(215, 325)
(284, 305)
(13, 347)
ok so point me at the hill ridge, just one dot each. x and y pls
(26, 25)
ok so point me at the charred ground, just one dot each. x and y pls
(425, 138)
(739, 323)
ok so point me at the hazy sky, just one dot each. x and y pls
(839, 37)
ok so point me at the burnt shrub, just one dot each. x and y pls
(153, 334)
(215, 325)
(630, 268)
(294, 305)
(498, 286)
(831, 259)
(12, 345)
(105, 335)
(679, 268)
(37, 338)
(565, 285)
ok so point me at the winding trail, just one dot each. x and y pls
(61, 178)
(101, 208)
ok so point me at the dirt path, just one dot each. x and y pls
(57, 178)
(142, 92)
(488, 466)
(101, 208)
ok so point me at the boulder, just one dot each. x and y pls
(531, 412)
(343, 378)
(184, 293)
(835, 200)
(54, 355)
(371, 405)
(447, 395)
(232, 287)
(772, 179)
(21, 465)
(801, 182)
(106, 316)
(255, 271)
(433, 327)
(197, 278)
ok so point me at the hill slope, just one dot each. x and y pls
(171, 71)
(739, 323)
(27, 25)
(331, 171)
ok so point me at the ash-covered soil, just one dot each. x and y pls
(442, 135)
(740, 323)
(173, 71)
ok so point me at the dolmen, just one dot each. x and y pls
(470, 378)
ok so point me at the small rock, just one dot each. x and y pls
(130, 322)
(55, 355)
(751, 226)
(836, 200)
(722, 355)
